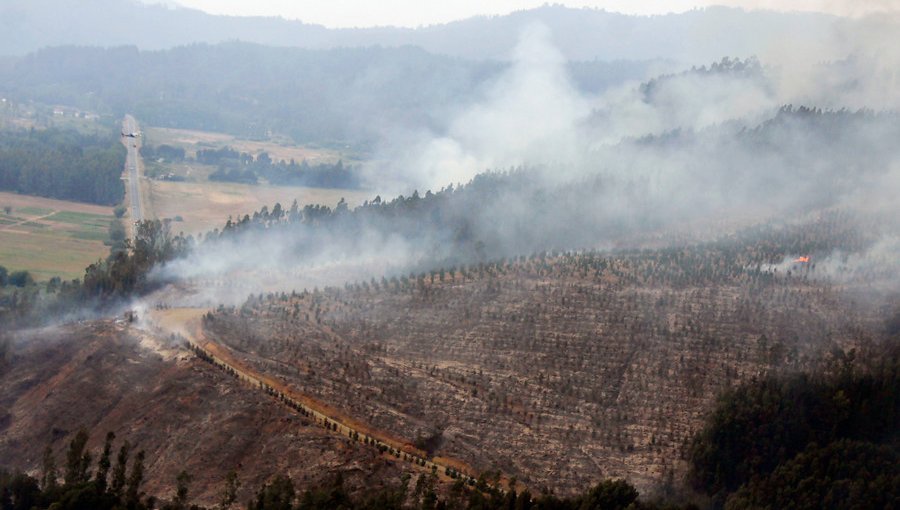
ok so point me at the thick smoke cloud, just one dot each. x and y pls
(227, 270)
(528, 115)
(534, 115)
(690, 154)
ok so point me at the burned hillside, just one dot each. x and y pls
(564, 368)
(183, 413)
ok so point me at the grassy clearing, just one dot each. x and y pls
(205, 206)
(48, 256)
(34, 211)
(80, 218)
(51, 237)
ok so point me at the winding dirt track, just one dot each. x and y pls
(186, 323)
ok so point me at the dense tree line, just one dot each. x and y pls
(115, 480)
(125, 272)
(330, 95)
(807, 441)
(15, 278)
(747, 68)
(234, 166)
(469, 223)
(63, 164)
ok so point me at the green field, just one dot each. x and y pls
(34, 211)
(51, 237)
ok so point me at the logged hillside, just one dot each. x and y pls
(563, 369)
(184, 413)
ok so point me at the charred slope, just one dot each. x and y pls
(564, 369)
(183, 412)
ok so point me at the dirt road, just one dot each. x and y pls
(186, 323)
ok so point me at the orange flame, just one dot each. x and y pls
(802, 259)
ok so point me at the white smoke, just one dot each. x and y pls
(532, 114)
(528, 115)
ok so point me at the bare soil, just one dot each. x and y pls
(204, 206)
(186, 414)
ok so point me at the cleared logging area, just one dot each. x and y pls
(559, 370)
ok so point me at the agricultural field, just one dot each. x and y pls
(197, 207)
(278, 149)
(180, 190)
(50, 237)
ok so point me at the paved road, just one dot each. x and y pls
(129, 126)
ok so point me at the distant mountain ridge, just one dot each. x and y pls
(249, 89)
(698, 36)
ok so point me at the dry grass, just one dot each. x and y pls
(17, 201)
(204, 205)
(51, 237)
(207, 205)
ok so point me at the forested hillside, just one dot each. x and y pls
(63, 164)
(582, 34)
(245, 89)
(526, 210)
(826, 438)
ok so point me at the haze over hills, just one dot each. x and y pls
(489, 264)
(351, 94)
(694, 37)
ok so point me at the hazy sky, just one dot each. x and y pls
(349, 13)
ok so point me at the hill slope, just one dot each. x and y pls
(582, 34)
(183, 412)
(559, 370)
